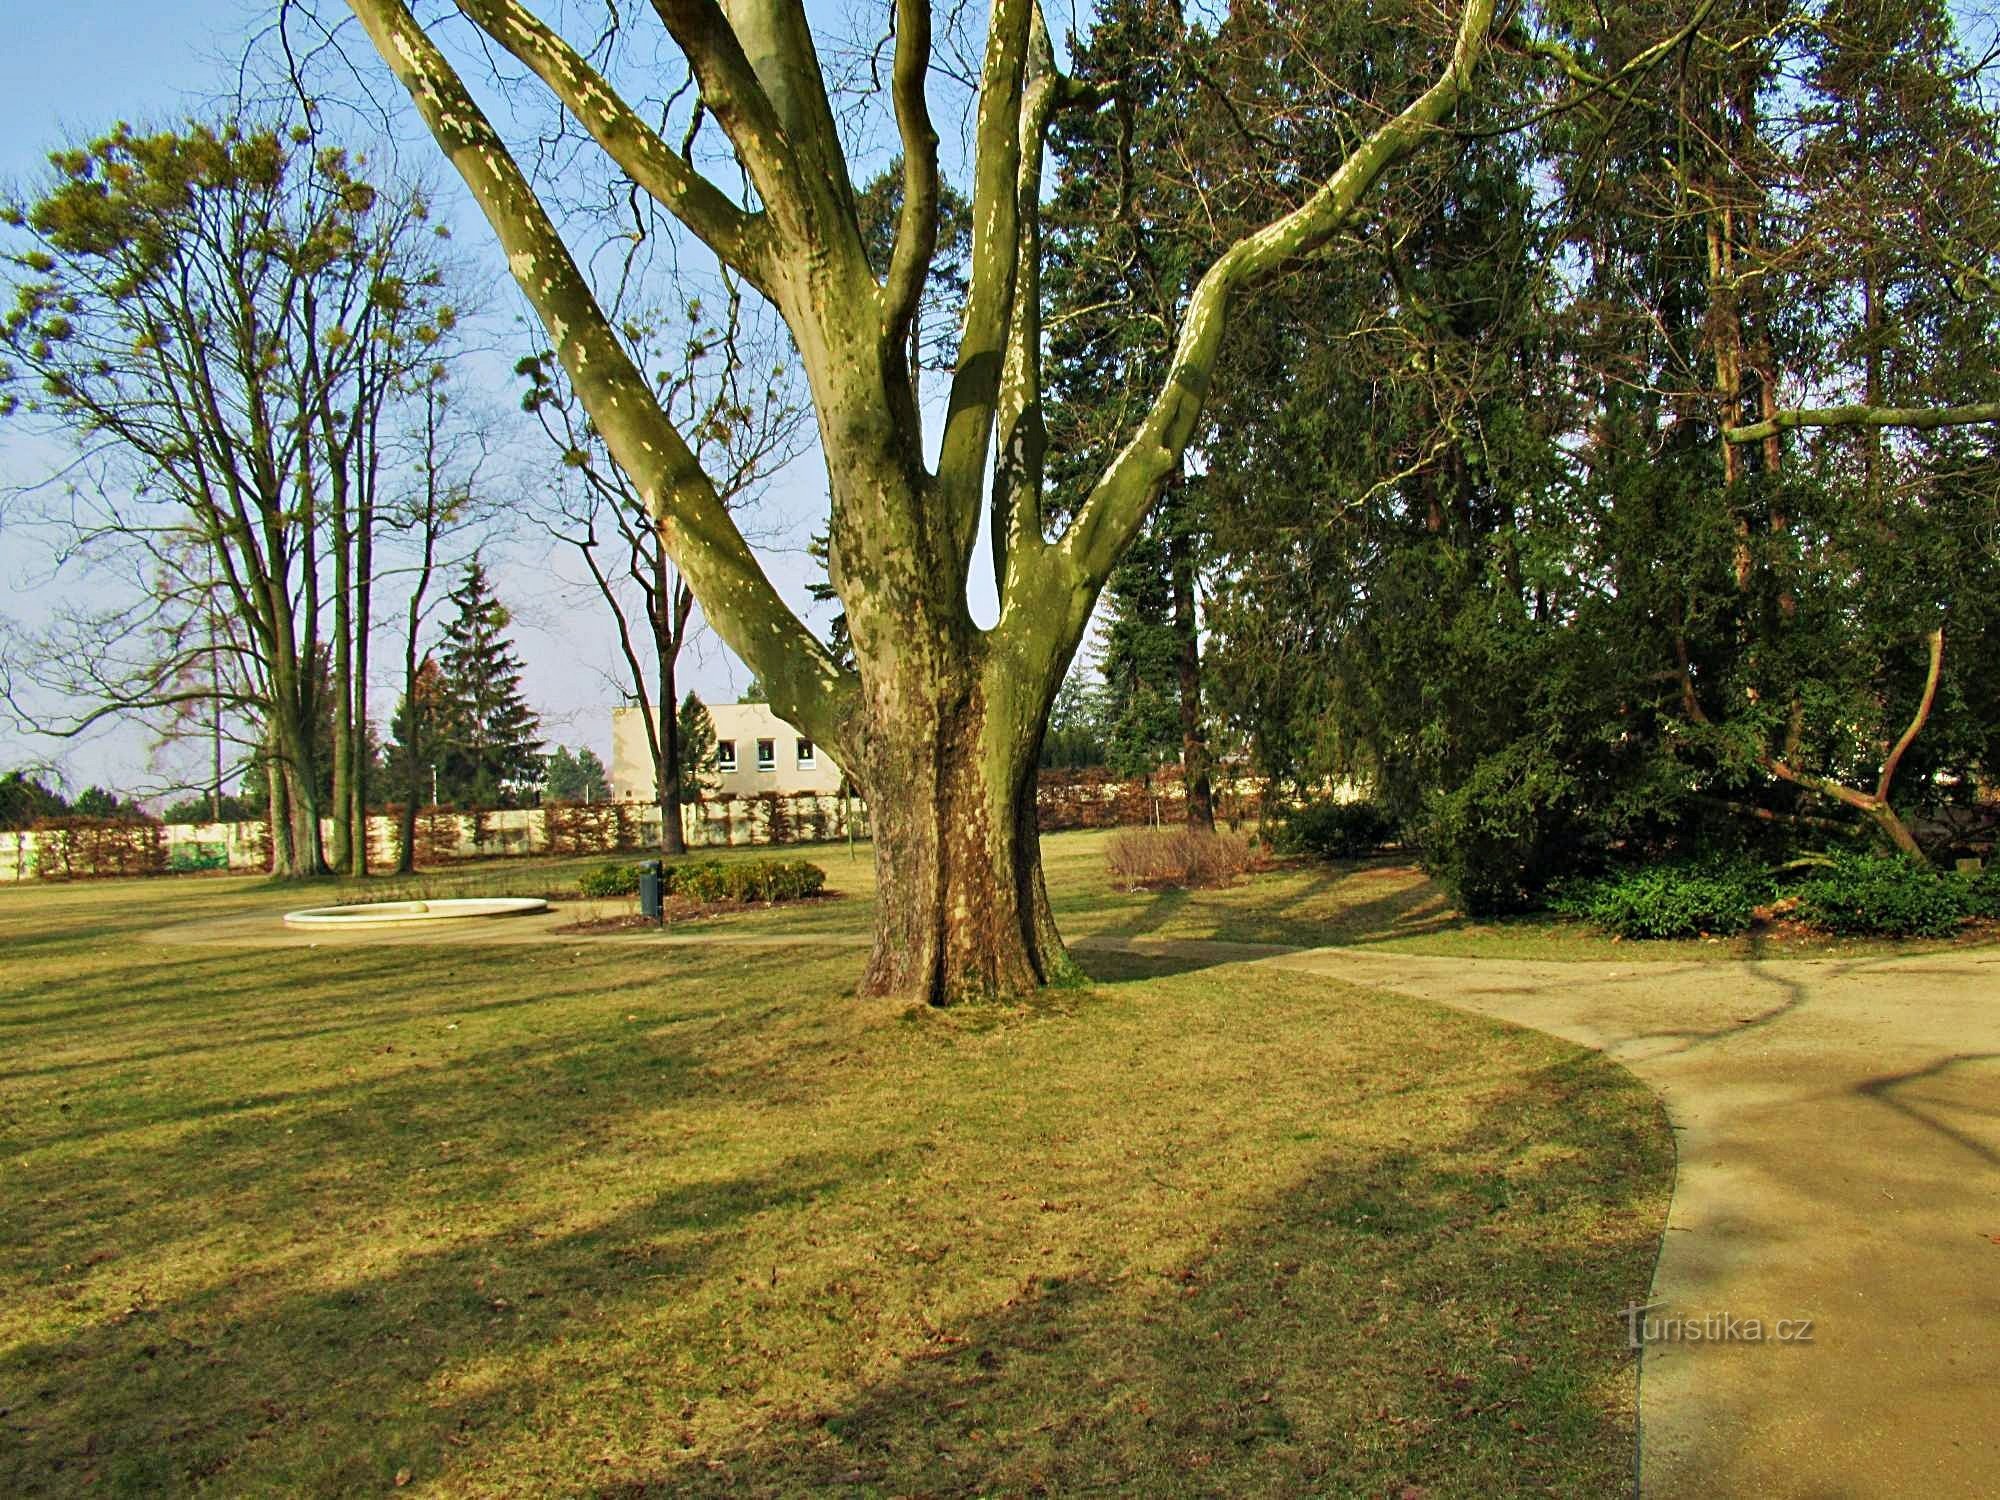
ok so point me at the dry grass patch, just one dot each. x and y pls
(597, 1219)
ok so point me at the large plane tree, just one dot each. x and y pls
(940, 721)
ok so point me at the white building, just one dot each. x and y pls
(755, 752)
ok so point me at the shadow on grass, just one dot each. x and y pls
(1388, 1316)
(1300, 905)
(1364, 1332)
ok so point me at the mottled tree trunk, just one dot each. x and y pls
(962, 912)
(941, 722)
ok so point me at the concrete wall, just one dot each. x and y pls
(741, 725)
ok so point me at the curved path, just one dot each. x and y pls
(1838, 1125)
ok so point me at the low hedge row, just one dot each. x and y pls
(1668, 901)
(1849, 895)
(711, 881)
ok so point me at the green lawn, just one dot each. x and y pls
(604, 1218)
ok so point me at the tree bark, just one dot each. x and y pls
(962, 911)
(667, 768)
(1195, 780)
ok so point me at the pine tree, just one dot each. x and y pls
(591, 777)
(697, 742)
(575, 776)
(487, 732)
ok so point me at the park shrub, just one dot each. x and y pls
(1332, 830)
(1886, 896)
(1983, 890)
(1668, 901)
(1175, 857)
(1499, 839)
(711, 882)
(608, 880)
(187, 859)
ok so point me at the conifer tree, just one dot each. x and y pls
(488, 741)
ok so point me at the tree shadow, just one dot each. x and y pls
(163, 1397)
(1334, 1343)
(1892, 1091)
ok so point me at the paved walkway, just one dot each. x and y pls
(1838, 1125)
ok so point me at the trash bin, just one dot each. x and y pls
(649, 890)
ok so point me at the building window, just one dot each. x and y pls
(806, 761)
(767, 755)
(725, 755)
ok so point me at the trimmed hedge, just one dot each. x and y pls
(609, 880)
(711, 881)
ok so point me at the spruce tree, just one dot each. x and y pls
(697, 743)
(487, 733)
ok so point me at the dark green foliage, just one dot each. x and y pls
(229, 808)
(697, 750)
(24, 798)
(1983, 893)
(1332, 830)
(575, 776)
(96, 802)
(1510, 830)
(1076, 737)
(1669, 901)
(487, 737)
(608, 880)
(1866, 895)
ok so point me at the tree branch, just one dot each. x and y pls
(975, 381)
(1018, 464)
(694, 525)
(736, 237)
(1117, 505)
(1895, 757)
(917, 223)
(1918, 417)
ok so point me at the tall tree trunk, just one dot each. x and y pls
(284, 859)
(343, 679)
(1195, 779)
(948, 768)
(294, 766)
(357, 755)
(406, 823)
(667, 765)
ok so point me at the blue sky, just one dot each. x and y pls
(69, 72)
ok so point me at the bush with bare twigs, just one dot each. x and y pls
(1176, 857)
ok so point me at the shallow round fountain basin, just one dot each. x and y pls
(388, 913)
